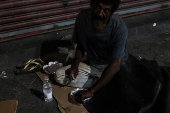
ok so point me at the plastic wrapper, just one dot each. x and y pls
(71, 53)
(3, 74)
(72, 94)
(52, 67)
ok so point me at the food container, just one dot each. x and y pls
(72, 94)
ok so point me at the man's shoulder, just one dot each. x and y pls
(118, 21)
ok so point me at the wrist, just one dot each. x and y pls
(91, 90)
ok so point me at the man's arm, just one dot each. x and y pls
(78, 57)
(106, 76)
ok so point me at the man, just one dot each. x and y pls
(103, 36)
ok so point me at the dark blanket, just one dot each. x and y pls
(141, 86)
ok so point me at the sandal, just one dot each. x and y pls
(20, 66)
(31, 66)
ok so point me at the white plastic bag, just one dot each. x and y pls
(83, 79)
(71, 53)
(52, 67)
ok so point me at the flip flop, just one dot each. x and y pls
(31, 66)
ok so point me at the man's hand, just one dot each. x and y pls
(72, 72)
(81, 95)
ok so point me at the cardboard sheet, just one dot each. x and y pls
(62, 96)
(9, 106)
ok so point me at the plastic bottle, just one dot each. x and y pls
(47, 89)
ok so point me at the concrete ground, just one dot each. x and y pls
(151, 48)
(27, 88)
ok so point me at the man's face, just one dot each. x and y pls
(101, 12)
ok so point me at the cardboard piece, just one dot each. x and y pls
(65, 104)
(9, 106)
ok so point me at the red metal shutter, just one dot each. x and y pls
(31, 17)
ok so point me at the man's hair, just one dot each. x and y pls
(113, 3)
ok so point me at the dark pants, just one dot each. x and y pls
(133, 89)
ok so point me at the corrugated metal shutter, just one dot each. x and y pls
(31, 17)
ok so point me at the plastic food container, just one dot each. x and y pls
(72, 94)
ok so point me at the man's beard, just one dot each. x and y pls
(97, 20)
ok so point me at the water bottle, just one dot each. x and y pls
(47, 89)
